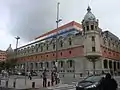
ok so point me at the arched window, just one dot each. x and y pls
(114, 66)
(53, 63)
(70, 41)
(110, 64)
(61, 64)
(87, 28)
(32, 48)
(36, 47)
(92, 27)
(31, 65)
(41, 65)
(47, 46)
(118, 65)
(105, 64)
(36, 65)
(61, 43)
(109, 42)
(28, 49)
(53, 45)
(24, 50)
(41, 48)
(71, 63)
(47, 64)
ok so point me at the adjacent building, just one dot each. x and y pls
(2, 56)
(80, 48)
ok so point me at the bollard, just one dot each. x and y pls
(6, 83)
(48, 83)
(33, 84)
(14, 84)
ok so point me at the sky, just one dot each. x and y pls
(29, 19)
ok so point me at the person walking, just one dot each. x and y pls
(55, 75)
(58, 78)
(52, 78)
(108, 83)
(44, 78)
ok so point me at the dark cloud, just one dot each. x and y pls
(31, 18)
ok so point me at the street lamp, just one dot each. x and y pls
(17, 38)
(57, 22)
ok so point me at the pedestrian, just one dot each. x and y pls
(108, 83)
(56, 81)
(30, 76)
(44, 78)
(58, 78)
(52, 78)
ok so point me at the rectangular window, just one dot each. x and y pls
(87, 28)
(93, 38)
(92, 27)
(93, 49)
(41, 48)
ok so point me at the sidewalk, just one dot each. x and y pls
(20, 83)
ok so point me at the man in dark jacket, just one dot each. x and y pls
(108, 83)
(44, 78)
(52, 78)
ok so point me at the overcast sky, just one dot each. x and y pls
(31, 18)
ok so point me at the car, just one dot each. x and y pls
(18, 73)
(90, 83)
(34, 74)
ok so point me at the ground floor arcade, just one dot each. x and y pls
(71, 65)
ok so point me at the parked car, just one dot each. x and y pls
(18, 73)
(89, 83)
(27, 73)
(34, 74)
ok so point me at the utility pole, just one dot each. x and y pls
(57, 22)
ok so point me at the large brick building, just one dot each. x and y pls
(78, 45)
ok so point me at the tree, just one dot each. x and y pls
(2, 65)
(8, 64)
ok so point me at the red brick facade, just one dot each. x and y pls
(2, 56)
(111, 54)
(61, 54)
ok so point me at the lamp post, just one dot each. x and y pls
(57, 22)
(17, 38)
